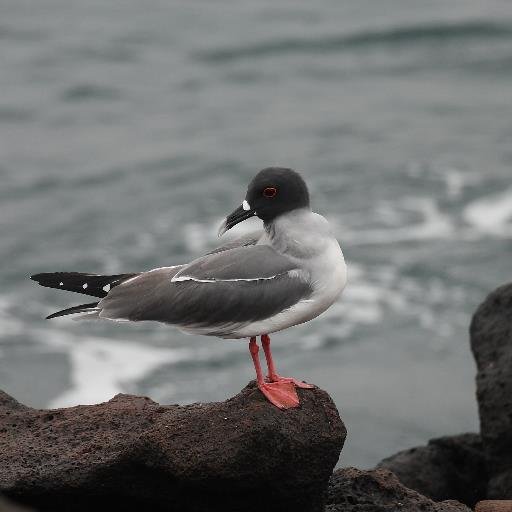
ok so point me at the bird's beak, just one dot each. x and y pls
(244, 211)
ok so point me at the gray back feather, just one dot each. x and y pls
(253, 262)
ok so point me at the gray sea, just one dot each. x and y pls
(129, 129)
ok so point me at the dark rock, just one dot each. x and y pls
(9, 506)
(379, 490)
(133, 454)
(447, 468)
(491, 343)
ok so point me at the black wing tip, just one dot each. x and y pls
(44, 275)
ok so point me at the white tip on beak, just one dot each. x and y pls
(222, 229)
(245, 205)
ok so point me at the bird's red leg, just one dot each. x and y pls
(265, 343)
(273, 376)
(281, 393)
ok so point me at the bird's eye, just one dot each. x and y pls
(269, 192)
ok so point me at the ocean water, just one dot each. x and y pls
(129, 129)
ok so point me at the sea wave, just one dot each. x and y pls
(88, 91)
(491, 214)
(394, 36)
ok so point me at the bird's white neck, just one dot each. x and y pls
(300, 233)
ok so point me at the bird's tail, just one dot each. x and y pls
(86, 310)
(88, 284)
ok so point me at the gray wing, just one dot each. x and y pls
(240, 263)
(236, 286)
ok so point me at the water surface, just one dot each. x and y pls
(128, 130)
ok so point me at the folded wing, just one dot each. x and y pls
(233, 287)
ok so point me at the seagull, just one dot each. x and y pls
(286, 274)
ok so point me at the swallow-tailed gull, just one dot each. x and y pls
(284, 275)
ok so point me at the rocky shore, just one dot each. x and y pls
(244, 454)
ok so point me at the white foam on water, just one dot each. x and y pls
(491, 214)
(101, 367)
(9, 326)
(435, 225)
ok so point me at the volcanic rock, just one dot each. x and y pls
(451, 467)
(133, 454)
(491, 343)
(379, 490)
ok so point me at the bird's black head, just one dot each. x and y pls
(272, 192)
(276, 190)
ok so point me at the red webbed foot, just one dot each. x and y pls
(281, 393)
(277, 378)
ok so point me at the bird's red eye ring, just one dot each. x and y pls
(269, 192)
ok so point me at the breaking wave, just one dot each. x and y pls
(394, 36)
